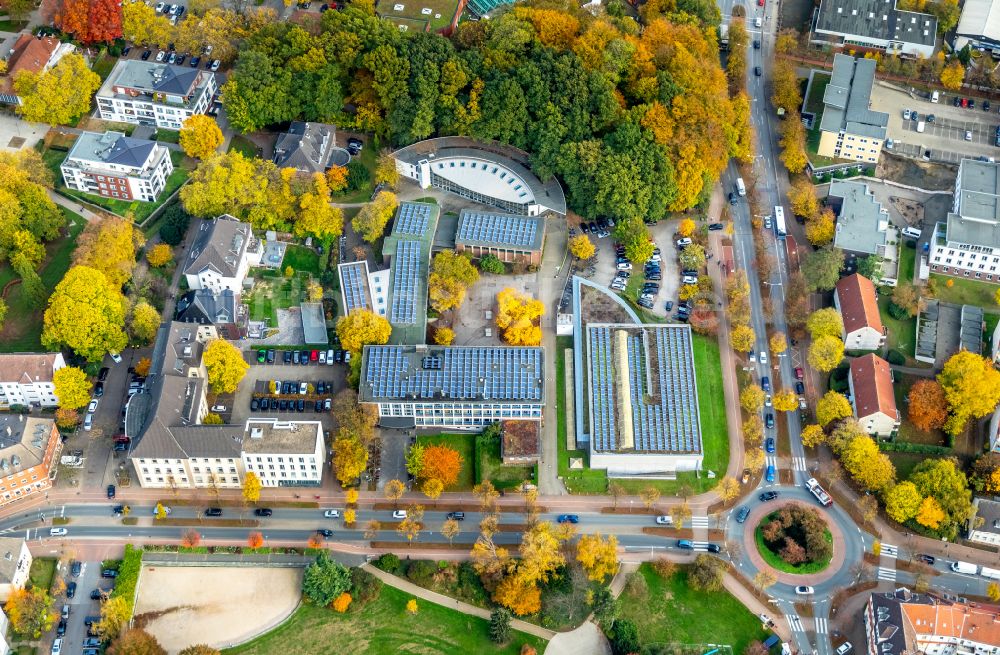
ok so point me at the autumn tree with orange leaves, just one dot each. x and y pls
(255, 540)
(441, 463)
(90, 21)
(928, 405)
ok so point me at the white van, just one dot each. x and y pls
(921, 125)
(935, 97)
(88, 422)
(757, 22)
(964, 567)
(740, 187)
(911, 232)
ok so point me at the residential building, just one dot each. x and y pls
(171, 447)
(984, 525)
(35, 54)
(519, 442)
(856, 300)
(15, 565)
(902, 622)
(221, 313)
(26, 379)
(29, 453)
(509, 238)
(488, 173)
(979, 26)
(872, 398)
(116, 166)
(462, 388)
(967, 244)
(875, 24)
(849, 128)
(309, 148)
(150, 93)
(284, 453)
(223, 252)
(863, 227)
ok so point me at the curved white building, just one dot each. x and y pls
(491, 174)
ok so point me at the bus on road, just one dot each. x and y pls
(779, 221)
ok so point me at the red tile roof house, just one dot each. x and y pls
(857, 302)
(31, 53)
(872, 398)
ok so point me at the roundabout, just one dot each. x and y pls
(794, 539)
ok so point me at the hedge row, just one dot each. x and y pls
(919, 448)
(128, 576)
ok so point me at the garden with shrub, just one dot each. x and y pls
(795, 539)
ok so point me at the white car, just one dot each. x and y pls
(844, 648)
(624, 266)
(968, 135)
(166, 510)
(216, 64)
(218, 408)
(88, 422)
(303, 388)
(58, 532)
(655, 258)
(399, 514)
(173, 10)
(664, 520)
(159, 7)
(767, 400)
(689, 279)
(329, 357)
(322, 357)
(763, 357)
(803, 590)
(332, 513)
(116, 358)
(682, 243)
(92, 407)
(161, 55)
(57, 647)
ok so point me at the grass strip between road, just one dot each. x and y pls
(208, 523)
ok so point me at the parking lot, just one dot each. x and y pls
(256, 383)
(945, 136)
(81, 605)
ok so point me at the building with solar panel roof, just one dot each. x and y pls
(508, 237)
(407, 252)
(454, 387)
(636, 406)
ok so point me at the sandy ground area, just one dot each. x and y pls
(182, 606)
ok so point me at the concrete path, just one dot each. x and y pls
(73, 206)
(585, 640)
(446, 601)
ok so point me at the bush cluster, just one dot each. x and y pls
(797, 535)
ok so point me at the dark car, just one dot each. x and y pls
(956, 101)
(103, 374)
(769, 444)
(264, 404)
(61, 628)
(765, 383)
(768, 495)
(111, 491)
(270, 355)
(669, 305)
(355, 142)
(714, 548)
(301, 406)
(732, 198)
(456, 516)
(71, 588)
(91, 642)
(145, 54)
(286, 357)
(213, 511)
(799, 387)
(645, 302)
(109, 573)
(325, 532)
(318, 406)
(926, 559)
(684, 544)
(282, 405)
(99, 389)
(254, 404)
(757, 71)
(97, 594)
(972, 104)
(180, 60)
(585, 228)
(262, 511)
(75, 568)
(769, 420)
(195, 61)
(715, 227)
(126, 50)
(756, 44)
(568, 518)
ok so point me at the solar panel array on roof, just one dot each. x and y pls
(353, 283)
(496, 228)
(412, 219)
(471, 374)
(664, 401)
(405, 267)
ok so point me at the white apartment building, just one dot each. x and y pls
(463, 388)
(284, 453)
(15, 565)
(223, 252)
(26, 379)
(116, 166)
(849, 128)
(150, 93)
(968, 243)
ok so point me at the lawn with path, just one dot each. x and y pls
(270, 294)
(383, 627)
(672, 612)
(964, 291)
(465, 444)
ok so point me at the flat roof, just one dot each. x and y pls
(980, 18)
(452, 373)
(847, 99)
(862, 221)
(976, 216)
(876, 19)
(643, 397)
(478, 228)
(313, 323)
(415, 219)
(280, 437)
(354, 286)
(408, 269)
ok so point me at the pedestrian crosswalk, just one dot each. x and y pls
(799, 463)
(771, 460)
(699, 521)
(821, 626)
(886, 573)
(889, 550)
(794, 622)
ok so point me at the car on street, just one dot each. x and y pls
(714, 548)
(769, 420)
(57, 647)
(75, 568)
(844, 648)
(683, 243)
(70, 589)
(742, 513)
(769, 475)
(92, 642)
(99, 389)
(763, 357)
(116, 358)
(685, 544)
(263, 511)
(664, 520)
(768, 496)
(799, 373)
(767, 400)
(804, 590)
(765, 383)
(756, 44)
(325, 532)
(568, 518)
(213, 511)
(333, 514)
(92, 407)
(111, 491)
(769, 444)
(399, 514)
(757, 71)
(926, 559)
(456, 516)
(799, 387)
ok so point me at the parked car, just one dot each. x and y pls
(399, 514)
(213, 511)
(664, 520)
(568, 518)
(799, 373)
(70, 590)
(109, 573)
(254, 404)
(286, 357)
(765, 383)
(263, 511)
(102, 375)
(715, 227)
(75, 568)
(769, 420)
(99, 389)
(799, 387)
(844, 648)
(683, 243)
(92, 407)
(456, 516)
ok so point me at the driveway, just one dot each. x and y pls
(81, 606)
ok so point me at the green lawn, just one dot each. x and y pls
(8, 25)
(907, 263)
(383, 627)
(673, 612)
(814, 102)
(273, 293)
(991, 319)
(776, 562)
(43, 571)
(22, 328)
(902, 333)
(964, 292)
(301, 259)
(490, 467)
(367, 158)
(582, 481)
(243, 145)
(104, 65)
(905, 463)
(465, 444)
(168, 136)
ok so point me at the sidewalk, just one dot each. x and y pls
(446, 601)
(73, 206)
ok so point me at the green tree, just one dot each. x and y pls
(706, 573)
(72, 387)
(59, 95)
(500, 625)
(324, 580)
(225, 365)
(86, 314)
(822, 268)
(870, 267)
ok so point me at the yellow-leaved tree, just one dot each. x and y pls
(371, 220)
(870, 468)
(832, 406)
(86, 314)
(972, 387)
(786, 401)
(160, 255)
(598, 555)
(361, 328)
(953, 75)
(109, 246)
(72, 387)
(451, 275)
(902, 502)
(200, 136)
(930, 513)
(812, 436)
(349, 457)
(821, 229)
(59, 95)
(225, 364)
(741, 338)
(517, 317)
(826, 353)
(582, 247)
